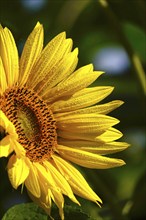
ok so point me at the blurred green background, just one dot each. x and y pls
(105, 37)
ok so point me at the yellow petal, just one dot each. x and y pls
(32, 182)
(45, 186)
(7, 143)
(42, 201)
(45, 176)
(18, 148)
(94, 147)
(3, 80)
(60, 181)
(8, 126)
(6, 146)
(88, 159)
(84, 98)
(9, 55)
(50, 183)
(31, 52)
(59, 72)
(86, 123)
(47, 193)
(59, 201)
(55, 194)
(17, 171)
(110, 135)
(76, 180)
(53, 52)
(77, 81)
(99, 109)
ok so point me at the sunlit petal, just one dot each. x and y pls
(31, 52)
(76, 180)
(87, 159)
(9, 55)
(18, 171)
(32, 182)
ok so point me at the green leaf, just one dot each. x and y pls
(136, 37)
(26, 211)
(31, 211)
(73, 213)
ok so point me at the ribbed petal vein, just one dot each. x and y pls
(95, 147)
(88, 159)
(54, 190)
(111, 134)
(3, 79)
(76, 82)
(76, 180)
(32, 182)
(99, 109)
(31, 52)
(59, 72)
(60, 181)
(9, 55)
(84, 98)
(86, 123)
(51, 54)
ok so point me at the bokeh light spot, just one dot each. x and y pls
(33, 5)
(112, 60)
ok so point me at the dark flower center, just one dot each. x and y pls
(33, 120)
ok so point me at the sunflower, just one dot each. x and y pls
(49, 119)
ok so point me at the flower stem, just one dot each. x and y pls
(135, 61)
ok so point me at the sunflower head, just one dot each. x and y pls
(50, 118)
